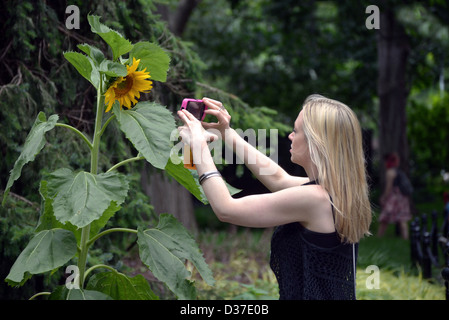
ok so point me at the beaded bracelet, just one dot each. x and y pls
(208, 175)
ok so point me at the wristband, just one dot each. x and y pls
(208, 175)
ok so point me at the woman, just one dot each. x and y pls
(395, 205)
(320, 218)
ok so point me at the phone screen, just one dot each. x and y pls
(196, 109)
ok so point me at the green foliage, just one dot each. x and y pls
(118, 44)
(148, 126)
(396, 285)
(240, 262)
(189, 182)
(164, 248)
(428, 120)
(81, 198)
(152, 56)
(77, 205)
(48, 219)
(84, 66)
(36, 77)
(48, 250)
(33, 145)
(17, 224)
(62, 293)
(121, 287)
(273, 57)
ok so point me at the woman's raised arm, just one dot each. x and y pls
(265, 169)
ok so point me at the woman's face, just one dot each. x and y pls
(299, 147)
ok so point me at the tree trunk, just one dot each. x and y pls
(393, 49)
(178, 19)
(181, 16)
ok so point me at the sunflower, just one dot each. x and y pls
(127, 89)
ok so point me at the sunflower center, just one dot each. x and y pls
(124, 87)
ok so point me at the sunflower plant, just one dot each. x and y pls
(76, 204)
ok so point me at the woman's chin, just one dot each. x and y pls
(292, 159)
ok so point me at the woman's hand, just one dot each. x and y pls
(192, 132)
(217, 109)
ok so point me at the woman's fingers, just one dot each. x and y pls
(186, 116)
(212, 103)
(182, 116)
(214, 112)
(210, 125)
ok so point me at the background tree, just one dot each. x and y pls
(393, 51)
(275, 57)
(427, 25)
(402, 49)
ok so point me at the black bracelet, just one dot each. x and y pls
(208, 175)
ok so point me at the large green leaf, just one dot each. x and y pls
(62, 293)
(85, 66)
(113, 69)
(81, 197)
(121, 287)
(165, 248)
(47, 219)
(186, 178)
(34, 143)
(94, 53)
(189, 179)
(153, 58)
(119, 45)
(47, 250)
(148, 126)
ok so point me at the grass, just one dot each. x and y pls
(397, 285)
(399, 278)
(240, 263)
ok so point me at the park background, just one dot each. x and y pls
(262, 59)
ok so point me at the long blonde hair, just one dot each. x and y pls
(335, 144)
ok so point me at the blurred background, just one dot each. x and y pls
(262, 58)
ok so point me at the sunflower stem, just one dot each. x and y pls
(45, 293)
(121, 163)
(101, 234)
(79, 133)
(100, 266)
(85, 232)
(106, 124)
(97, 132)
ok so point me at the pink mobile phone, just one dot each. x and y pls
(195, 107)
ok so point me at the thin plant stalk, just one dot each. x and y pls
(94, 170)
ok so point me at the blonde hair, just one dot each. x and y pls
(335, 144)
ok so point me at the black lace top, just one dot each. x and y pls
(312, 266)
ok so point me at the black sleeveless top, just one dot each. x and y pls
(311, 265)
